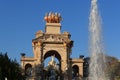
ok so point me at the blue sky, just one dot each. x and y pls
(21, 19)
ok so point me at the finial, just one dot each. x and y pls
(23, 54)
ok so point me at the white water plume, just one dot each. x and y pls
(97, 56)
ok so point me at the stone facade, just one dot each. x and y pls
(49, 43)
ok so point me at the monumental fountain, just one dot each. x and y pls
(97, 57)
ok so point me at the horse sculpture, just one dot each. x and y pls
(53, 17)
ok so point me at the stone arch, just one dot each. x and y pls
(28, 69)
(52, 52)
(56, 54)
(75, 71)
(50, 70)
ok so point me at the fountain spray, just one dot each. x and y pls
(97, 56)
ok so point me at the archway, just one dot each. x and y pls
(28, 69)
(52, 52)
(75, 72)
(53, 68)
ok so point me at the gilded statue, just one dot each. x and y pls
(52, 17)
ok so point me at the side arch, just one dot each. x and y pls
(75, 71)
(28, 69)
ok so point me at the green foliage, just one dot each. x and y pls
(113, 68)
(9, 68)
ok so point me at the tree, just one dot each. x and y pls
(86, 67)
(113, 68)
(9, 68)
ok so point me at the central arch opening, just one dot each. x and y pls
(52, 61)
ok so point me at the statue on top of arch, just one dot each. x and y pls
(53, 17)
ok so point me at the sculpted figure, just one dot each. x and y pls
(56, 18)
(46, 17)
(52, 18)
(49, 18)
(52, 62)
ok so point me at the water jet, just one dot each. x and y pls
(97, 57)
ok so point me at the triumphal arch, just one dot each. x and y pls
(52, 43)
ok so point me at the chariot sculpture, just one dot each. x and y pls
(53, 17)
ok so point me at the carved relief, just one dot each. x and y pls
(56, 38)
